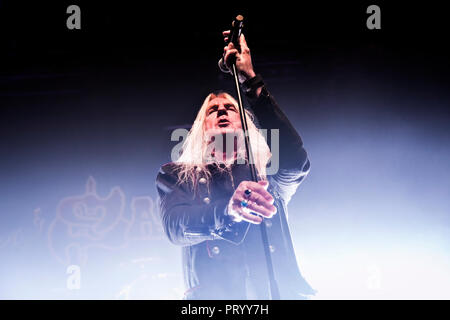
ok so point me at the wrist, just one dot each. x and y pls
(250, 74)
(253, 86)
(246, 75)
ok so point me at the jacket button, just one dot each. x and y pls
(268, 223)
(272, 248)
(202, 180)
(206, 200)
(215, 250)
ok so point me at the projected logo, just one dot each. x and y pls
(13, 240)
(89, 221)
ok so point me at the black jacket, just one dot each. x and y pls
(223, 259)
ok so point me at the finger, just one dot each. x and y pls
(229, 46)
(226, 33)
(264, 183)
(243, 42)
(258, 209)
(259, 200)
(263, 207)
(259, 188)
(229, 53)
(246, 215)
(251, 218)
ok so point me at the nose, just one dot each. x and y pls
(222, 111)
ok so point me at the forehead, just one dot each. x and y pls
(218, 101)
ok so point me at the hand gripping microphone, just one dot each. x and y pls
(235, 34)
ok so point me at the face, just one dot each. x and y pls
(222, 116)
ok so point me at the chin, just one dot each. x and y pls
(225, 130)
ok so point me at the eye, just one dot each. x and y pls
(212, 109)
(230, 107)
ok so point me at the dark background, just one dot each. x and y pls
(372, 107)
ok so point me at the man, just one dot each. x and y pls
(211, 208)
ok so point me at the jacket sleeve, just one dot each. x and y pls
(293, 162)
(186, 221)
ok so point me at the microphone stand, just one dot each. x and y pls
(274, 291)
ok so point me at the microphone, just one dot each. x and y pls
(235, 34)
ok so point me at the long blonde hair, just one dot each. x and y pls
(195, 147)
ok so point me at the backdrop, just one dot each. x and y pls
(86, 118)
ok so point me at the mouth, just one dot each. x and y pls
(223, 123)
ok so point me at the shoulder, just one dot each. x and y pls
(169, 168)
(167, 176)
(170, 176)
